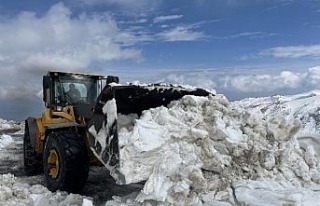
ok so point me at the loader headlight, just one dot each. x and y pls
(59, 108)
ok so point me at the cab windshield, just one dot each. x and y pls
(76, 89)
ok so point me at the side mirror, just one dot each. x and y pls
(111, 79)
(46, 90)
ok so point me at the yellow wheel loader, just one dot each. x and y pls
(65, 140)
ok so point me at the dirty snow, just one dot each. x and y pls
(110, 108)
(7, 125)
(304, 107)
(201, 151)
(163, 85)
(17, 191)
(13, 192)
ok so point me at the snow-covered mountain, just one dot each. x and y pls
(305, 107)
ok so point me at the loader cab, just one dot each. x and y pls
(61, 89)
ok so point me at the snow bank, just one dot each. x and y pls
(14, 193)
(203, 151)
(274, 193)
(8, 125)
(5, 140)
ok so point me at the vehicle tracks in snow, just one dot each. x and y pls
(100, 185)
(11, 157)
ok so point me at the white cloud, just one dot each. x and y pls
(314, 75)
(166, 18)
(241, 83)
(312, 51)
(132, 5)
(197, 80)
(265, 82)
(292, 80)
(181, 33)
(130, 38)
(81, 39)
(141, 21)
(164, 26)
(250, 35)
(32, 44)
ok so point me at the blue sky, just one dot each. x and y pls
(239, 48)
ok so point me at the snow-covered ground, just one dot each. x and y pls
(24, 190)
(5, 140)
(201, 151)
(9, 125)
(21, 190)
(13, 192)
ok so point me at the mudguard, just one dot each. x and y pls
(131, 99)
(32, 124)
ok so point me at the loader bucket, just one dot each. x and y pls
(132, 99)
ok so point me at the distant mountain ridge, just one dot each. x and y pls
(305, 107)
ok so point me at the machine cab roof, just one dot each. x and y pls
(61, 73)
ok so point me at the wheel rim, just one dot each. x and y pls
(53, 162)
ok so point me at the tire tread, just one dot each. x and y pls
(73, 152)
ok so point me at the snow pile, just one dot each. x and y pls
(204, 151)
(15, 193)
(8, 125)
(167, 85)
(5, 140)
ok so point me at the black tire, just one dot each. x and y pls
(73, 162)
(32, 160)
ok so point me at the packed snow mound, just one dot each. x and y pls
(176, 86)
(14, 193)
(304, 107)
(197, 150)
(8, 125)
(5, 140)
